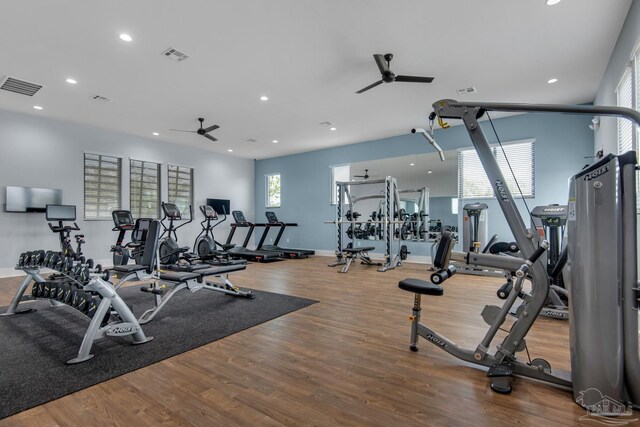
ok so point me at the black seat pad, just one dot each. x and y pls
(176, 276)
(357, 250)
(418, 286)
(222, 269)
(129, 268)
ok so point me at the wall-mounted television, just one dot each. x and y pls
(221, 206)
(30, 199)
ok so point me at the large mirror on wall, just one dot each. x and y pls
(413, 172)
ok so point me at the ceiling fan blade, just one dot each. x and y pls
(210, 137)
(210, 128)
(369, 87)
(382, 64)
(414, 79)
(180, 130)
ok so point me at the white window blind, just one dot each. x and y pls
(624, 95)
(144, 192)
(102, 185)
(473, 182)
(338, 173)
(180, 188)
(272, 187)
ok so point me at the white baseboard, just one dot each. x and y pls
(418, 259)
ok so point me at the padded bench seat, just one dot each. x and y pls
(129, 268)
(178, 276)
(418, 286)
(221, 270)
(358, 250)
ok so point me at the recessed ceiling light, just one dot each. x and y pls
(71, 81)
(429, 171)
(37, 107)
(275, 141)
(552, 2)
(230, 150)
(552, 81)
(412, 164)
(125, 37)
(156, 133)
(332, 128)
(264, 98)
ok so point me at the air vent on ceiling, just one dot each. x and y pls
(100, 98)
(19, 86)
(326, 124)
(467, 90)
(175, 54)
(251, 140)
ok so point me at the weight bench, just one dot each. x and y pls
(169, 282)
(350, 254)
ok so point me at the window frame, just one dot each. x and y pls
(497, 153)
(179, 169)
(118, 197)
(267, 198)
(333, 194)
(632, 74)
(143, 166)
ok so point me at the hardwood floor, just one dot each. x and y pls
(343, 361)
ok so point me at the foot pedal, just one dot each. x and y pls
(500, 375)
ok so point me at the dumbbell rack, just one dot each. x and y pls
(94, 297)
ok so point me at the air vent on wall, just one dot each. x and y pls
(467, 90)
(19, 86)
(100, 98)
(175, 54)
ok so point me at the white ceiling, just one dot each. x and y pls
(308, 56)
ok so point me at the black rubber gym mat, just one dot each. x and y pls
(35, 346)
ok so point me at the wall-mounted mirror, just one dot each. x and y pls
(413, 172)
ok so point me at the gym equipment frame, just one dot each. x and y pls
(603, 287)
(391, 198)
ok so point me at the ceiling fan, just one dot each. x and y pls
(388, 76)
(202, 130)
(365, 176)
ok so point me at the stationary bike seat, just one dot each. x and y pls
(418, 286)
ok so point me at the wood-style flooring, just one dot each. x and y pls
(343, 361)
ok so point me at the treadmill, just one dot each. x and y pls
(288, 252)
(242, 251)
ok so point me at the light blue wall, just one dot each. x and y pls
(440, 208)
(562, 142)
(41, 152)
(607, 136)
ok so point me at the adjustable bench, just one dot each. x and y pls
(194, 280)
(350, 254)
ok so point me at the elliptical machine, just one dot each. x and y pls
(169, 249)
(206, 246)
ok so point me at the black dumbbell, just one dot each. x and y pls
(63, 288)
(92, 306)
(68, 294)
(21, 259)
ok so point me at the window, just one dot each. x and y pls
(180, 186)
(338, 173)
(144, 193)
(272, 190)
(102, 185)
(628, 95)
(473, 182)
(454, 206)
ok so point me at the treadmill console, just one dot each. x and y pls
(172, 211)
(123, 220)
(238, 217)
(271, 217)
(208, 212)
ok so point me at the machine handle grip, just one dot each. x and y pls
(152, 290)
(524, 269)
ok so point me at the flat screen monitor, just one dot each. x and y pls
(30, 199)
(221, 206)
(61, 213)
